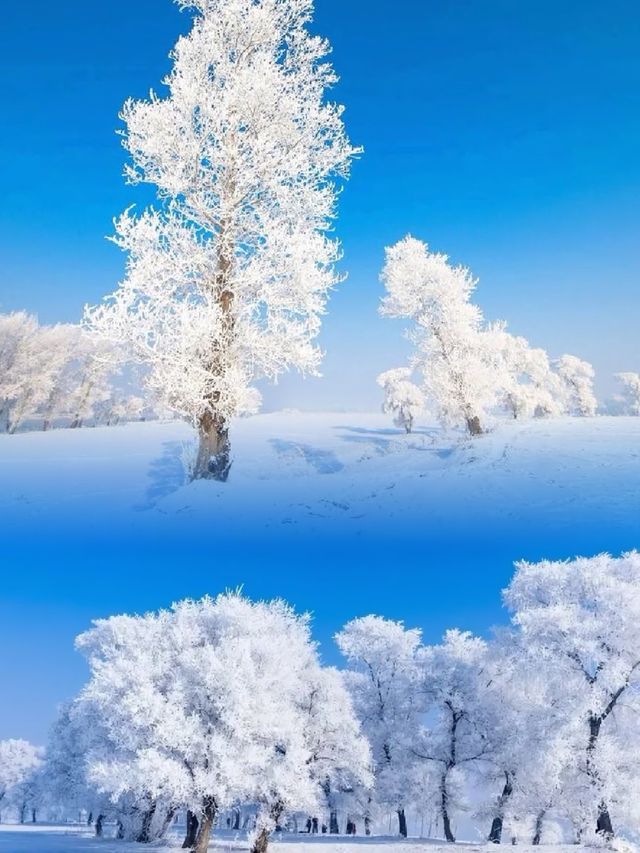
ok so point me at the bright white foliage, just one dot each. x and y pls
(57, 373)
(531, 388)
(577, 376)
(580, 624)
(19, 761)
(453, 355)
(219, 701)
(384, 677)
(228, 277)
(402, 398)
(631, 389)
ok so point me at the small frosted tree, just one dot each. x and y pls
(631, 391)
(19, 761)
(577, 376)
(452, 352)
(402, 398)
(228, 277)
(530, 388)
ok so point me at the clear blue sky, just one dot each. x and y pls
(505, 132)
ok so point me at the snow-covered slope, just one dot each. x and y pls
(328, 473)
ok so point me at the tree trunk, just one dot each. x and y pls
(206, 825)
(192, 831)
(214, 450)
(99, 825)
(537, 834)
(402, 823)
(34, 816)
(473, 425)
(236, 819)
(261, 843)
(167, 822)
(604, 826)
(495, 834)
(367, 825)
(334, 828)
(444, 809)
(144, 836)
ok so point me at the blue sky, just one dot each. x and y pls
(504, 133)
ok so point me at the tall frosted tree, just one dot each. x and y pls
(228, 275)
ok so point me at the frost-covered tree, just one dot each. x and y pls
(402, 398)
(453, 354)
(211, 703)
(19, 761)
(384, 679)
(530, 387)
(631, 391)
(228, 277)
(17, 333)
(458, 735)
(577, 376)
(580, 622)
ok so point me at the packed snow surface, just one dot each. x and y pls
(326, 474)
(65, 839)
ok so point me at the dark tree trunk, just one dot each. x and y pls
(236, 819)
(444, 810)
(604, 826)
(206, 825)
(537, 833)
(192, 831)
(402, 823)
(473, 425)
(120, 831)
(495, 833)
(90, 819)
(23, 812)
(334, 829)
(214, 450)
(144, 836)
(99, 825)
(171, 813)
(34, 816)
(367, 825)
(261, 843)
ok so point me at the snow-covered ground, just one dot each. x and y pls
(66, 839)
(328, 474)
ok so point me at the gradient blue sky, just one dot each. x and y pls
(505, 132)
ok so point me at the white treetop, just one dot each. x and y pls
(631, 389)
(228, 276)
(577, 376)
(402, 398)
(452, 352)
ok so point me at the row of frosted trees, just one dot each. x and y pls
(60, 375)
(466, 370)
(222, 709)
